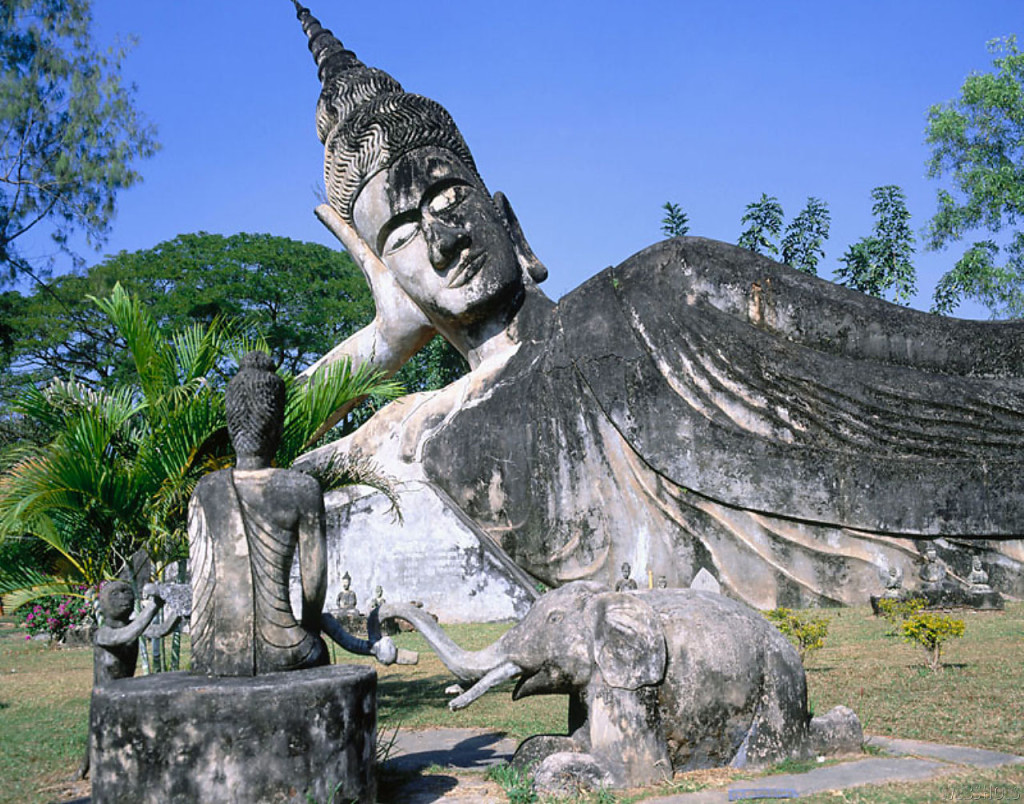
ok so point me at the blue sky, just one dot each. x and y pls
(588, 116)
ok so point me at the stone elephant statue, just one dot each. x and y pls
(659, 681)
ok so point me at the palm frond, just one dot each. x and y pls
(347, 470)
(309, 404)
(153, 360)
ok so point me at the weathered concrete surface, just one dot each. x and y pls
(701, 406)
(434, 556)
(177, 737)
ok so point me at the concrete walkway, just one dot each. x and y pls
(451, 751)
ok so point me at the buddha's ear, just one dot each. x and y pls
(527, 259)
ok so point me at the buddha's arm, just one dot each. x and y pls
(399, 328)
(313, 560)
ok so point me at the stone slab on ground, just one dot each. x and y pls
(463, 750)
(279, 737)
(466, 753)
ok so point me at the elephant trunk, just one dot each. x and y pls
(465, 665)
(502, 672)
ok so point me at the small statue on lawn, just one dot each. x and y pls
(933, 573)
(893, 583)
(378, 598)
(625, 583)
(978, 578)
(347, 599)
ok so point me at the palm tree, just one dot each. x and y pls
(122, 464)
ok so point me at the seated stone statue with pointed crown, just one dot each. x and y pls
(697, 406)
(245, 526)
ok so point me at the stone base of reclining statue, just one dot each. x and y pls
(433, 555)
(280, 737)
(659, 681)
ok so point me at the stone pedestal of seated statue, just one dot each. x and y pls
(289, 737)
(260, 717)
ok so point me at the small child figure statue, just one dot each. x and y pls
(116, 644)
(625, 583)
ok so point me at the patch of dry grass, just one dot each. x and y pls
(978, 700)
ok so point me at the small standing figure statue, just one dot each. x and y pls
(346, 600)
(933, 573)
(378, 598)
(116, 644)
(625, 583)
(893, 583)
(978, 578)
(662, 582)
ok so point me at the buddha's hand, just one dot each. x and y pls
(401, 325)
(384, 650)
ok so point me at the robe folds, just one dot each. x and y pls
(242, 621)
(703, 406)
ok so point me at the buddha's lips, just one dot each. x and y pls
(467, 269)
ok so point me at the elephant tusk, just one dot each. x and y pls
(502, 672)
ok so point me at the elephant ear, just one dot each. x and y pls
(628, 642)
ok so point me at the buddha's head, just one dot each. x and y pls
(346, 581)
(254, 404)
(626, 569)
(976, 563)
(397, 169)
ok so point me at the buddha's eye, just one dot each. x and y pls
(400, 236)
(449, 198)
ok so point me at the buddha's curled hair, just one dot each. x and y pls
(366, 121)
(254, 404)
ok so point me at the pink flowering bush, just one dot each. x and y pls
(55, 615)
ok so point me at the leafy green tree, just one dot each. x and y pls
(764, 224)
(805, 630)
(120, 465)
(978, 141)
(931, 631)
(69, 129)
(880, 265)
(303, 298)
(676, 223)
(804, 243)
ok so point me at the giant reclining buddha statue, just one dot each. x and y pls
(697, 406)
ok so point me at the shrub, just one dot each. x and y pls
(56, 614)
(931, 631)
(806, 631)
(897, 611)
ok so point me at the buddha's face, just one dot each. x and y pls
(434, 226)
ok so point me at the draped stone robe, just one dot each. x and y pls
(701, 406)
(242, 621)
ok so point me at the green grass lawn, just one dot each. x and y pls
(978, 700)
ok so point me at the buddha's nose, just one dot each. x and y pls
(446, 243)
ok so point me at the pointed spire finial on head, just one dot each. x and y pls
(365, 119)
